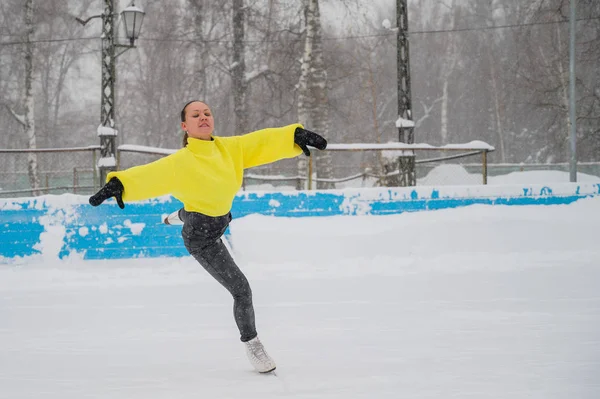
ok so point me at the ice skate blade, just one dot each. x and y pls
(268, 371)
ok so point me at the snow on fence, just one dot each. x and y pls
(66, 225)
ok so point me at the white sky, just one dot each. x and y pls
(476, 302)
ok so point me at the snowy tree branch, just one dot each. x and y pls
(252, 76)
(19, 118)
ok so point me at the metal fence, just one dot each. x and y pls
(73, 170)
(59, 170)
(354, 165)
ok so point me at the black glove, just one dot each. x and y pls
(114, 188)
(304, 137)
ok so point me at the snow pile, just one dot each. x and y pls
(449, 175)
(454, 174)
(548, 176)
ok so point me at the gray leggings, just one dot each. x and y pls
(202, 238)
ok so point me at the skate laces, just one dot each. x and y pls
(256, 348)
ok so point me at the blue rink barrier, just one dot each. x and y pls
(58, 226)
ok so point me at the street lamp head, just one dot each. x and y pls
(132, 18)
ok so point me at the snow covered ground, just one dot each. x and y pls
(475, 302)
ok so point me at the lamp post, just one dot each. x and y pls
(132, 19)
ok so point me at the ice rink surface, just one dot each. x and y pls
(478, 302)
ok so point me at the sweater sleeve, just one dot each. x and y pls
(146, 181)
(269, 145)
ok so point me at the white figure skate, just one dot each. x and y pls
(172, 218)
(259, 358)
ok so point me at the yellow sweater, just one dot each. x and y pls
(206, 175)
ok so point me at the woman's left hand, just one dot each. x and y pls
(305, 138)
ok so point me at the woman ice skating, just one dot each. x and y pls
(205, 175)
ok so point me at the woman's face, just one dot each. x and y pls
(199, 122)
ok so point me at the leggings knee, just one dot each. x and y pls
(242, 290)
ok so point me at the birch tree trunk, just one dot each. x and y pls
(238, 68)
(448, 68)
(320, 103)
(563, 78)
(28, 101)
(313, 103)
(303, 94)
(444, 112)
(498, 117)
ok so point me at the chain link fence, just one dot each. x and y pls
(57, 171)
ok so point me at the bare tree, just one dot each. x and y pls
(54, 63)
(164, 74)
(543, 70)
(449, 64)
(364, 67)
(272, 52)
(11, 75)
(27, 119)
(588, 71)
(201, 63)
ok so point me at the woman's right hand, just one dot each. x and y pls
(114, 188)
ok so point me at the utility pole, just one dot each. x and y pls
(106, 131)
(405, 122)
